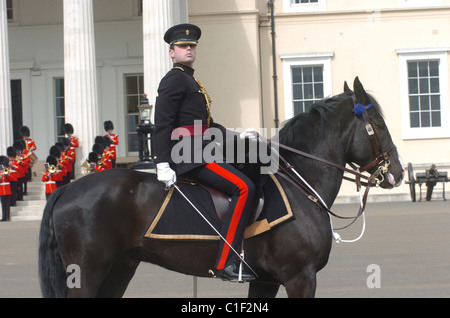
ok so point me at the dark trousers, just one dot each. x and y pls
(14, 192)
(227, 179)
(6, 210)
(430, 187)
(20, 182)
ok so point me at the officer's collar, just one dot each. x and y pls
(184, 68)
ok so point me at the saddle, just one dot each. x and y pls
(177, 219)
(222, 202)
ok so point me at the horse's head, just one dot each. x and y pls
(370, 144)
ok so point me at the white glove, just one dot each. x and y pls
(166, 174)
(249, 133)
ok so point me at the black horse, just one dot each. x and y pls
(98, 221)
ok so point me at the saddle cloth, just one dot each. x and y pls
(178, 220)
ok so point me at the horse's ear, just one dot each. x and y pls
(347, 89)
(360, 92)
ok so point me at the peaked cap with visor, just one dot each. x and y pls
(182, 34)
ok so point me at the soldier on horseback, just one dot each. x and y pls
(183, 109)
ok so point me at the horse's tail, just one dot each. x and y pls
(51, 269)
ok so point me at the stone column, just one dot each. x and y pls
(158, 16)
(80, 80)
(6, 134)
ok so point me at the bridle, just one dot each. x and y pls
(381, 155)
(381, 161)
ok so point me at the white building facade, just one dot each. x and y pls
(87, 61)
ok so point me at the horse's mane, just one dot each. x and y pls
(319, 113)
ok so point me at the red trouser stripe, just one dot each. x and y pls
(237, 210)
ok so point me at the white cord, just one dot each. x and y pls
(338, 238)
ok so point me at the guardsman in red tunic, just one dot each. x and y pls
(61, 171)
(95, 165)
(5, 188)
(74, 143)
(19, 145)
(70, 152)
(14, 174)
(109, 127)
(50, 175)
(183, 107)
(65, 162)
(30, 147)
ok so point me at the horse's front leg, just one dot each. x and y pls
(263, 290)
(302, 285)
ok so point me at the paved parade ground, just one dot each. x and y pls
(405, 252)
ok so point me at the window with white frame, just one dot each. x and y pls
(425, 93)
(307, 79)
(419, 3)
(304, 5)
(60, 110)
(9, 10)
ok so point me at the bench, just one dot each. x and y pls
(423, 178)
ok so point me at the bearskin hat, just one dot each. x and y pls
(60, 145)
(11, 152)
(24, 131)
(19, 145)
(93, 157)
(98, 149)
(4, 161)
(51, 160)
(108, 125)
(108, 141)
(100, 140)
(68, 128)
(66, 142)
(55, 151)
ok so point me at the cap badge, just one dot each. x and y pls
(187, 32)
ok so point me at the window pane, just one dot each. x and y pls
(436, 119)
(414, 118)
(133, 122)
(423, 69)
(435, 102)
(424, 102)
(132, 85)
(307, 75)
(434, 68)
(298, 108)
(59, 87)
(424, 86)
(413, 103)
(318, 90)
(318, 74)
(298, 92)
(434, 85)
(308, 91)
(60, 126)
(412, 69)
(132, 102)
(133, 143)
(413, 86)
(60, 111)
(425, 119)
(296, 75)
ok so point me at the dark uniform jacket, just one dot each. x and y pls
(181, 103)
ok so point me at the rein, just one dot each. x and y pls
(381, 157)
